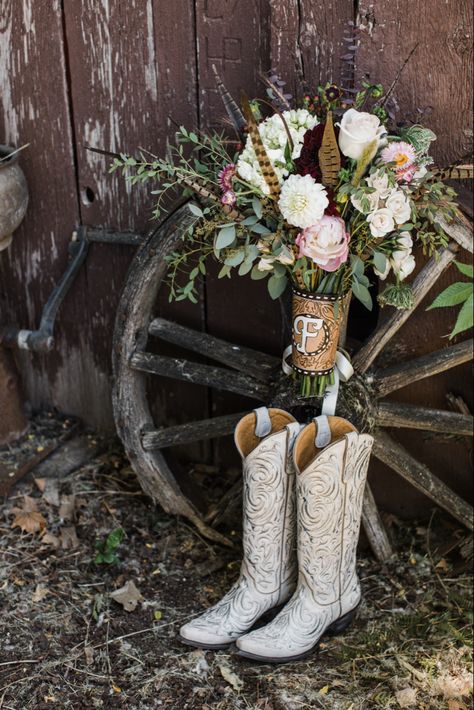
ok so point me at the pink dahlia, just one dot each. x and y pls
(225, 177)
(326, 242)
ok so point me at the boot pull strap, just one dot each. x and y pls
(263, 425)
(323, 431)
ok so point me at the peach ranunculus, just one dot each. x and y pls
(326, 242)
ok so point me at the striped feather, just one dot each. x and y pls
(455, 171)
(266, 167)
(199, 187)
(329, 155)
(233, 111)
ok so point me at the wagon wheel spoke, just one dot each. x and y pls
(255, 363)
(374, 527)
(196, 373)
(411, 416)
(393, 378)
(394, 455)
(421, 285)
(189, 433)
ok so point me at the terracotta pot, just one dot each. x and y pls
(316, 324)
(13, 195)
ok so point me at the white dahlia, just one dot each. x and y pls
(302, 201)
(274, 138)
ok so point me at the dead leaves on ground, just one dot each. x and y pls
(28, 518)
(128, 596)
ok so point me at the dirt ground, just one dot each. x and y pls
(67, 641)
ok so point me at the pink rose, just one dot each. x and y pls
(326, 242)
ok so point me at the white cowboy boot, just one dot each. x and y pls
(264, 439)
(330, 480)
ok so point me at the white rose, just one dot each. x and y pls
(357, 131)
(373, 199)
(403, 263)
(399, 206)
(381, 222)
(379, 182)
(404, 242)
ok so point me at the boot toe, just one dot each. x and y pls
(199, 635)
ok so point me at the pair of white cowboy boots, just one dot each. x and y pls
(329, 460)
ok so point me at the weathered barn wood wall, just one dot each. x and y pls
(117, 74)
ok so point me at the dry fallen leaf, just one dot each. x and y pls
(406, 698)
(67, 507)
(230, 677)
(27, 518)
(40, 593)
(89, 655)
(128, 596)
(68, 538)
(51, 492)
(50, 539)
(456, 705)
(453, 685)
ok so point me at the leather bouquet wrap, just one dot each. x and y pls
(317, 322)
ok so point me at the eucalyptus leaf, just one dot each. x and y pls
(245, 267)
(257, 207)
(380, 261)
(357, 265)
(195, 209)
(236, 258)
(225, 238)
(257, 275)
(260, 228)
(362, 294)
(276, 285)
(253, 219)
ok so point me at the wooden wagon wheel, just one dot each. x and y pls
(258, 376)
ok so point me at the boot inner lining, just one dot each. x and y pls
(306, 449)
(245, 433)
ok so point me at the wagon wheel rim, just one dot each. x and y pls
(256, 375)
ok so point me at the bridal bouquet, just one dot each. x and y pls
(325, 196)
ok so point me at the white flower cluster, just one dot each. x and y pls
(389, 207)
(274, 138)
(401, 261)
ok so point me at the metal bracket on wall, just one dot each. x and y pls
(42, 340)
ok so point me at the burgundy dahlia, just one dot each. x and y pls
(308, 162)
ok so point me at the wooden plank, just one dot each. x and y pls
(124, 94)
(411, 416)
(393, 378)
(393, 454)
(34, 109)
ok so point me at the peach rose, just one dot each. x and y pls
(326, 242)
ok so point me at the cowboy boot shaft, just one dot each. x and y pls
(269, 524)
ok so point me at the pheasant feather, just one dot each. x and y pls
(233, 111)
(453, 172)
(269, 174)
(329, 155)
(199, 187)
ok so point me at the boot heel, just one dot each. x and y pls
(341, 624)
